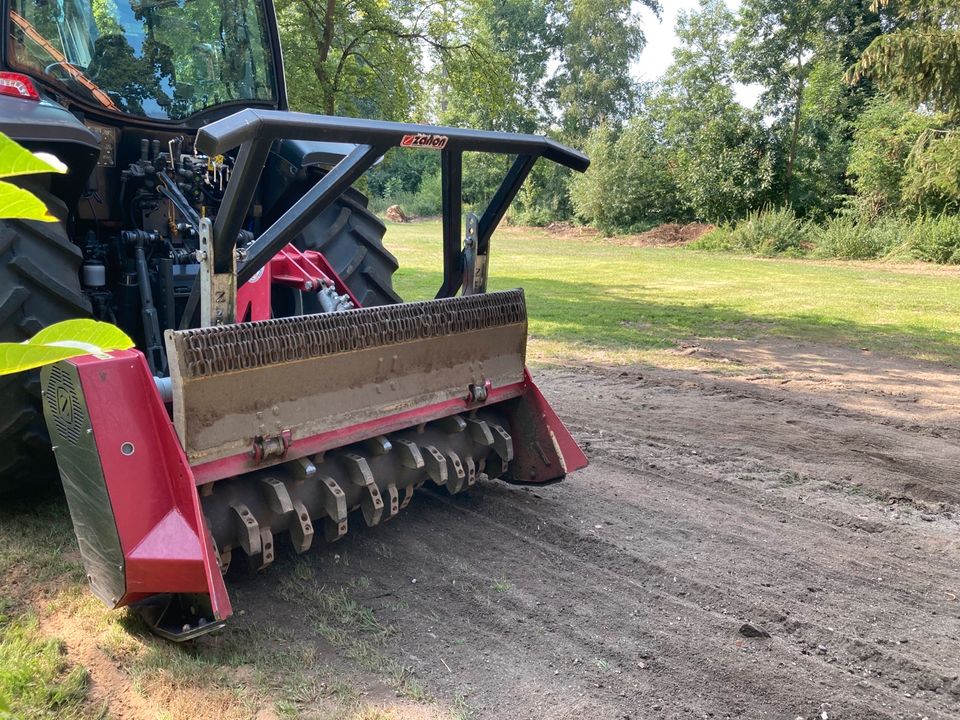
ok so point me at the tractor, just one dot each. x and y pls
(279, 389)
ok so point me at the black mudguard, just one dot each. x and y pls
(44, 126)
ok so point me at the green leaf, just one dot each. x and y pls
(64, 340)
(16, 160)
(17, 203)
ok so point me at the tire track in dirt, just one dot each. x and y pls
(823, 518)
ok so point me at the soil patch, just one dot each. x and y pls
(810, 495)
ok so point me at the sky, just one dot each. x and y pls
(662, 39)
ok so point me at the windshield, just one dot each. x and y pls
(165, 59)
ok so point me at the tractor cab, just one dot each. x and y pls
(161, 60)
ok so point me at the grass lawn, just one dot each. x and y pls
(590, 300)
(595, 300)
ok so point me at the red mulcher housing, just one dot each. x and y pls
(279, 382)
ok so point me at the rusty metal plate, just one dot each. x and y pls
(297, 377)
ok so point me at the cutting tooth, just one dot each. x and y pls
(371, 504)
(301, 532)
(223, 560)
(471, 471)
(451, 425)
(502, 443)
(480, 432)
(394, 497)
(407, 496)
(409, 454)
(248, 530)
(335, 505)
(266, 542)
(277, 496)
(436, 464)
(301, 469)
(458, 476)
(379, 445)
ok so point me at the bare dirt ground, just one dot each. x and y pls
(811, 492)
(666, 235)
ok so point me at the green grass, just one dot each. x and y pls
(234, 675)
(597, 300)
(36, 679)
(589, 300)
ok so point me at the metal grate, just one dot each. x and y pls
(63, 404)
(212, 351)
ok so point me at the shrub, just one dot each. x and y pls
(772, 231)
(936, 239)
(848, 239)
(720, 239)
(890, 233)
(426, 202)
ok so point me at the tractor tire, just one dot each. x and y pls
(351, 239)
(39, 286)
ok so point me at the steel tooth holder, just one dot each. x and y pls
(436, 464)
(301, 531)
(248, 530)
(266, 545)
(372, 503)
(471, 468)
(457, 477)
(480, 432)
(393, 506)
(223, 557)
(335, 506)
(407, 496)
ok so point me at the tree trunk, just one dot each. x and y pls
(795, 134)
(324, 42)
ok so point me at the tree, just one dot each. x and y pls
(919, 60)
(825, 133)
(500, 85)
(598, 40)
(785, 45)
(774, 46)
(719, 148)
(349, 57)
(365, 57)
(630, 183)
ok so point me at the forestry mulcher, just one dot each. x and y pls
(279, 383)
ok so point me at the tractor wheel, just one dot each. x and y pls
(351, 239)
(39, 286)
